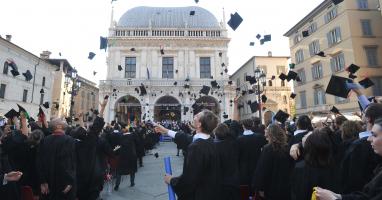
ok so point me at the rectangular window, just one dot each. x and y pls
(377, 87)
(25, 95)
(303, 99)
(366, 27)
(312, 28)
(334, 36)
(331, 15)
(317, 71)
(41, 99)
(314, 47)
(363, 4)
(301, 74)
(299, 56)
(264, 68)
(2, 91)
(238, 82)
(297, 39)
(205, 67)
(43, 81)
(337, 62)
(167, 67)
(82, 100)
(130, 67)
(372, 56)
(5, 69)
(319, 97)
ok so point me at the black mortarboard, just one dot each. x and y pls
(220, 54)
(292, 65)
(267, 38)
(254, 106)
(243, 93)
(238, 89)
(162, 51)
(264, 98)
(334, 110)
(156, 155)
(103, 43)
(293, 95)
(15, 72)
(223, 65)
(176, 71)
(281, 116)
(119, 68)
(143, 90)
(283, 76)
(305, 33)
(22, 109)
(225, 116)
(12, 113)
(337, 86)
(192, 12)
(186, 86)
(352, 68)
(94, 73)
(258, 36)
(221, 73)
(366, 83)
(273, 77)
(252, 44)
(114, 90)
(28, 76)
(352, 76)
(226, 70)
(235, 21)
(291, 75)
(214, 84)
(230, 82)
(42, 91)
(132, 49)
(196, 1)
(31, 120)
(336, 2)
(205, 90)
(46, 105)
(262, 41)
(251, 79)
(91, 55)
(321, 54)
(251, 91)
(175, 83)
(211, 77)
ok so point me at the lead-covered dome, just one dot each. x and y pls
(168, 17)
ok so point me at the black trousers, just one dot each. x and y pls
(118, 181)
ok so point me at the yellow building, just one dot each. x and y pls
(277, 91)
(350, 32)
(85, 98)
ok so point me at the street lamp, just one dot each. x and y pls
(260, 79)
(76, 84)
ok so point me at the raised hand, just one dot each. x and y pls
(13, 176)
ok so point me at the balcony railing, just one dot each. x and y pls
(159, 82)
(128, 32)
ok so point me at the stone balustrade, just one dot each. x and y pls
(158, 82)
(128, 32)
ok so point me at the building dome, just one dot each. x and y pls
(168, 17)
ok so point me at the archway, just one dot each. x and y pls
(167, 108)
(268, 117)
(128, 109)
(206, 102)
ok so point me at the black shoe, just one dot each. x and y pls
(132, 184)
(116, 188)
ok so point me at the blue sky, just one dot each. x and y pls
(73, 27)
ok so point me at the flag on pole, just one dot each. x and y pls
(103, 43)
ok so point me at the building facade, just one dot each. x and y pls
(14, 90)
(86, 97)
(350, 32)
(277, 91)
(171, 53)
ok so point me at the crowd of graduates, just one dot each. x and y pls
(282, 160)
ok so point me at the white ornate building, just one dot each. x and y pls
(158, 46)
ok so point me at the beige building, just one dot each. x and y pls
(277, 91)
(350, 32)
(87, 96)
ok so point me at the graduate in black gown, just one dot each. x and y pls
(140, 133)
(272, 176)
(58, 163)
(200, 177)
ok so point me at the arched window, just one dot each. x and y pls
(5, 69)
(270, 83)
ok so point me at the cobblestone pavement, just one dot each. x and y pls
(149, 183)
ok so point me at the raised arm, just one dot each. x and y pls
(103, 106)
(236, 115)
(23, 122)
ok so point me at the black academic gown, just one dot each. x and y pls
(200, 177)
(228, 152)
(10, 191)
(127, 154)
(273, 173)
(249, 153)
(58, 166)
(140, 132)
(295, 139)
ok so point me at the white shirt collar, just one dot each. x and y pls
(247, 132)
(299, 131)
(364, 134)
(201, 136)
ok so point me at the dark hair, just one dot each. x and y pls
(208, 121)
(304, 123)
(222, 132)
(350, 130)
(247, 123)
(318, 148)
(339, 120)
(373, 111)
(378, 121)
(278, 138)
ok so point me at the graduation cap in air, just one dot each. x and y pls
(175, 83)
(281, 116)
(335, 110)
(267, 38)
(305, 33)
(352, 68)
(251, 79)
(252, 44)
(186, 86)
(352, 76)
(254, 106)
(103, 43)
(46, 105)
(28, 76)
(91, 55)
(251, 92)
(42, 91)
(292, 65)
(336, 2)
(273, 77)
(337, 86)
(12, 113)
(262, 41)
(226, 70)
(132, 49)
(94, 73)
(185, 110)
(243, 93)
(230, 82)
(220, 54)
(366, 83)
(293, 95)
(235, 21)
(214, 84)
(264, 98)
(291, 75)
(221, 73)
(120, 68)
(156, 155)
(176, 71)
(225, 116)
(223, 65)
(143, 90)
(192, 12)
(238, 89)
(162, 51)
(15, 72)
(205, 90)
(22, 109)
(196, 1)
(258, 36)
(283, 76)
(321, 54)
